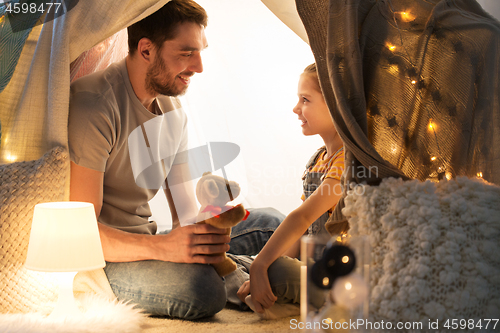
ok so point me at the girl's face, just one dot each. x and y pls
(311, 108)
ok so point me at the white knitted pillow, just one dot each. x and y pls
(435, 248)
(22, 186)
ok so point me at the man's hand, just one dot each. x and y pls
(243, 291)
(196, 243)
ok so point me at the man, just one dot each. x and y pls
(125, 136)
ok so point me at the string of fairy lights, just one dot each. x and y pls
(442, 168)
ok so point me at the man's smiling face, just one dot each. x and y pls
(176, 61)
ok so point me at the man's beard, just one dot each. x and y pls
(160, 80)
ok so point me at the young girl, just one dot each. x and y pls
(321, 192)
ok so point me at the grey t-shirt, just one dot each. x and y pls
(112, 132)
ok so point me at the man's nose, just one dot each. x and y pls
(196, 64)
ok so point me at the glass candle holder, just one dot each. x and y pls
(313, 298)
(320, 311)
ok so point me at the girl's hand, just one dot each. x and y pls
(260, 290)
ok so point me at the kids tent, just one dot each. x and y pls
(412, 87)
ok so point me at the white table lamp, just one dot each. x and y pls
(64, 238)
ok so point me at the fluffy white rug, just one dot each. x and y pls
(99, 315)
(434, 247)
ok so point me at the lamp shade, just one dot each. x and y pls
(64, 238)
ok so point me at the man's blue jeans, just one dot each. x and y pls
(188, 291)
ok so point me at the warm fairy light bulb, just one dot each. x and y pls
(326, 281)
(10, 158)
(407, 16)
(413, 81)
(448, 175)
(432, 125)
(390, 46)
(433, 158)
(350, 291)
(345, 259)
(480, 174)
(341, 238)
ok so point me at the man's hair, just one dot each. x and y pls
(162, 24)
(313, 72)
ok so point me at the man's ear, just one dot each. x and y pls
(146, 49)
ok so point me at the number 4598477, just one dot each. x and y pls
(463, 324)
(25, 7)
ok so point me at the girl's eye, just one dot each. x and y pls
(304, 99)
